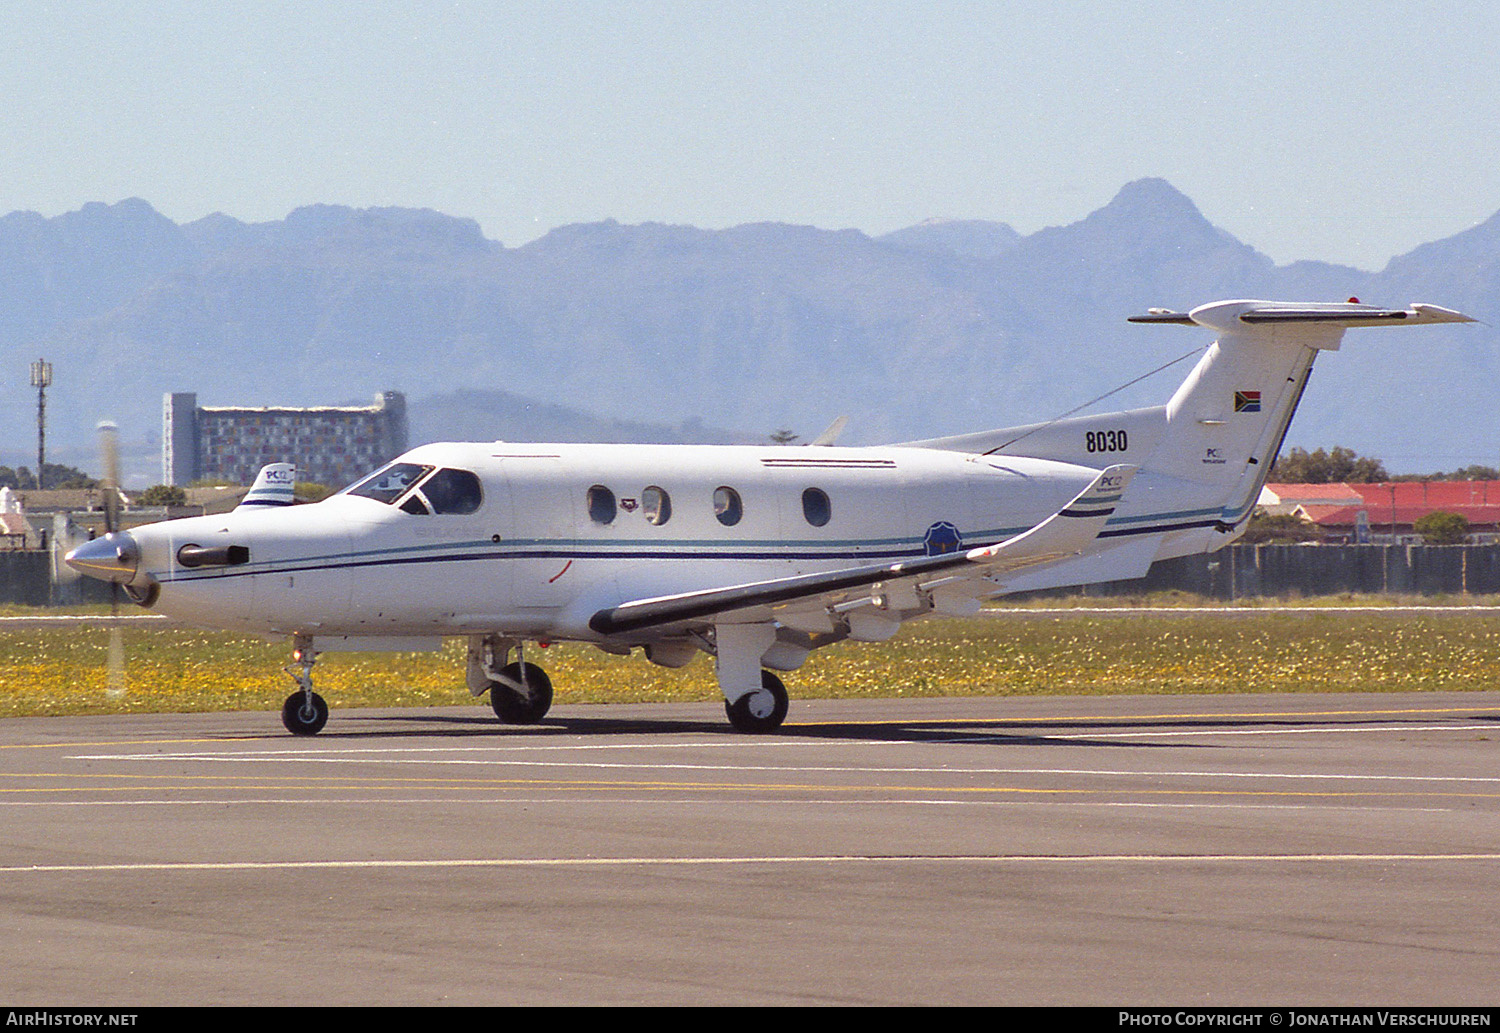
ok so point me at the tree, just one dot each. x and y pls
(1463, 473)
(1319, 467)
(163, 495)
(1280, 527)
(1443, 528)
(783, 437)
(57, 476)
(1474, 473)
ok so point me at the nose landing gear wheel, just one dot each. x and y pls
(761, 711)
(304, 715)
(522, 696)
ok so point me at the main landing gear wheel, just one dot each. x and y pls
(761, 711)
(523, 696)
(303, 714)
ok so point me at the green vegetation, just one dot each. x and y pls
(162, 495)
(1021, 653)
(1443, 528)
(1282, 528)
(55, 476)
(1300, 466)
(1475, 472)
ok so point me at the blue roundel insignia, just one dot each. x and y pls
(942, 537)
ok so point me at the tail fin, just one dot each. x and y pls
(1227, 420)
(1205, 455)
(272, 487)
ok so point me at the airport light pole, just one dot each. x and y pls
(41, 379)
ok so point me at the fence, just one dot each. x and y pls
(26, 580)
(1241, 571)
(1236, 572)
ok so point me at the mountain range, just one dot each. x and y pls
(660, 332)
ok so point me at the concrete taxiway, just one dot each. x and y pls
(1224, 850)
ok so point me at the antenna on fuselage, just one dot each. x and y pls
(830, 435)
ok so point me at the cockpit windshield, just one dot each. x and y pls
(389, 483)
(421, 491)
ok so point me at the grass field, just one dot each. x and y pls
(65, 671)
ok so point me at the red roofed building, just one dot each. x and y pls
(1389, 507)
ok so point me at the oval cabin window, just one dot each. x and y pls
(601, 505)
(656, 505)
(816, 507)
(727, 506)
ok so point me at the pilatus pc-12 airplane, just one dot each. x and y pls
(756, 555)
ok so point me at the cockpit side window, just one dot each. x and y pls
(452, 491)
(389, 483)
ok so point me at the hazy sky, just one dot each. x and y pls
(1347, 132)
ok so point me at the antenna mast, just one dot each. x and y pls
(41, 379)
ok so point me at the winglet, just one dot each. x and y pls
(1069, 530)
(273, 486)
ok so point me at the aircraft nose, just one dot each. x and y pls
(115, 557)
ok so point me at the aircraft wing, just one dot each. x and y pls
(1065, 534)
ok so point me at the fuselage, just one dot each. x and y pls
(531, 540)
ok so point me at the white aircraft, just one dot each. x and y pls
(756, 555)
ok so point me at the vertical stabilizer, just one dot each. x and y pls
(1226, 422)
(273, 486)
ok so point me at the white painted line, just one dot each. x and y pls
(232, 758)
(572, 798)
(820, 859)
(1273, 731)
(365, 756)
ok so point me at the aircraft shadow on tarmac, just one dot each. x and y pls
(969, 731)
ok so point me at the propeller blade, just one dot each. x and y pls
(63, 542)
(114, 685)
(109, 453)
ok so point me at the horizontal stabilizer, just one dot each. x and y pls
(1230, 315)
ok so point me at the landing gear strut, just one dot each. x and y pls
(754, 698)
(304, 712)
(520, 693)
(761, 711)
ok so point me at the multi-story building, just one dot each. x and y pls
(331, 445)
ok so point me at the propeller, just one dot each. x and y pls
(109, 452)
